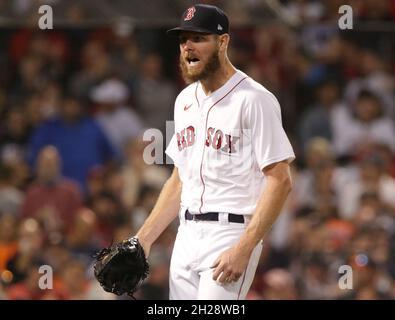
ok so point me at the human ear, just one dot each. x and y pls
(224, 41)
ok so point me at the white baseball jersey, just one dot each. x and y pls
(223, 141)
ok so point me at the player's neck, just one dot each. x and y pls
(217, 80)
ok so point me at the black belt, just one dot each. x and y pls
(213, 216)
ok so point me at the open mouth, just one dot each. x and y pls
(192, 61)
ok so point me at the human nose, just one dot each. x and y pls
(187, 45)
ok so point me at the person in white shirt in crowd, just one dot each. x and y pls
(366, 124)
(118, 120)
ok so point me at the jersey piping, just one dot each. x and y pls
(204, 144)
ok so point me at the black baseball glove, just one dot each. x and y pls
(122, 267)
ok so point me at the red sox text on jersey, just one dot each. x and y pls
(215, 138)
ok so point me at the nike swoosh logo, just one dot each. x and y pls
(187, 107)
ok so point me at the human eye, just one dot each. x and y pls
(198, 38)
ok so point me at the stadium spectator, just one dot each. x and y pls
(79, 139)
(11, 198)
(118, 120)
(51, 199)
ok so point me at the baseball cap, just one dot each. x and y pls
(110, 91)
(202, 18)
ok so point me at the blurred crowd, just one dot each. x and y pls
(75, 104)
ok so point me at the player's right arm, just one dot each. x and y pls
(164, 212)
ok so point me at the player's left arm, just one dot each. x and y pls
(233, 262)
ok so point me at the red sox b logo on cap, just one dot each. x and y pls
(190, 13)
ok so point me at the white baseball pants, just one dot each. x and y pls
(197, 246)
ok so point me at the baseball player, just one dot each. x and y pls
(231, 175)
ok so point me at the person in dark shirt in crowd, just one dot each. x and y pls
(79, 139)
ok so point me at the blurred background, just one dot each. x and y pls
(75, 100)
